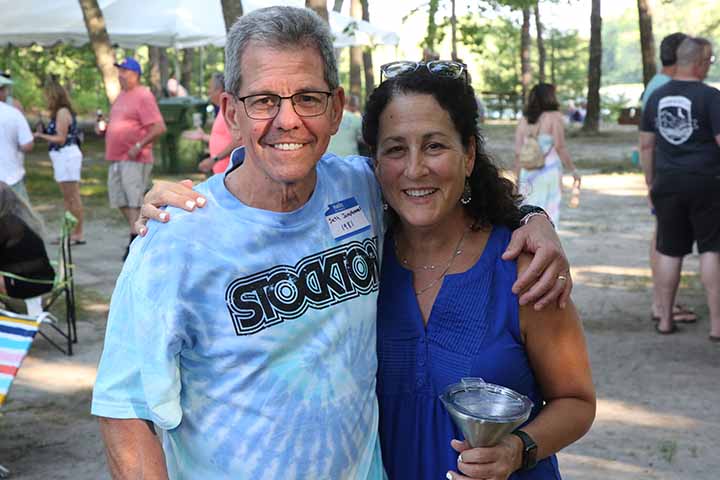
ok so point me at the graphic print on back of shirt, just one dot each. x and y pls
(285, 292)
(675, 122)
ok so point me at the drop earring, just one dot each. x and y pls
(467, 192)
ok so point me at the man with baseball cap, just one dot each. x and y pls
(135, 122)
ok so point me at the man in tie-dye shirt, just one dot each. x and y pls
(245, 332)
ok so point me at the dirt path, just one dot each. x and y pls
(658, 410)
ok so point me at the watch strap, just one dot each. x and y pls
(529, 211)
(529, 456)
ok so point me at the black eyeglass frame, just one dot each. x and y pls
(279, 104)
(428, 65)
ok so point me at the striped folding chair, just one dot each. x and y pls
(16, 336)
(63, 287)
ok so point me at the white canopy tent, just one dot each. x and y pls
(164, 23)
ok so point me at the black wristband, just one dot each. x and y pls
(526, 209)
(529, 456)
(529, 211)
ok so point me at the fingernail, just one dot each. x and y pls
(562, 304)
(163, 216)
(522, 301)
(143, 231)
(448, 475)
(460, 458)
(201, 201)
(190, 204)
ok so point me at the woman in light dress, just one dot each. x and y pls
(541, 117)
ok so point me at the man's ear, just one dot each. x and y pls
(230, 110)
(337, 102)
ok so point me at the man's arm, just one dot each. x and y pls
(547, 279)
(207, 163)
(647, 152)
(26, 147)
(156, 129)
(133, 450)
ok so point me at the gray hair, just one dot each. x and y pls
(279, 27)
(218, 79)
(692, 51)
(13, 204)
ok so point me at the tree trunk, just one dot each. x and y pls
(367, 56)
(540, 44)
(647, 40)
(100, 41)
(356, 57)
(432, 27)
(592, 117)
(155, 82)
(186, 72)
(319, 7)
(232, 10)
(338, 6)
(525, 75)
(552, 57)
(453, 29)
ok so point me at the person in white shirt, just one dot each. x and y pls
(16, 139)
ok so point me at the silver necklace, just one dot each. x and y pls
(457, 251)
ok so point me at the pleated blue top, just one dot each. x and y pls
(473, 331)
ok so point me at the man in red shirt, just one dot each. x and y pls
(135, 122)
(221, 142)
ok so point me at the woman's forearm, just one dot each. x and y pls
(59, 139)
(561, 422)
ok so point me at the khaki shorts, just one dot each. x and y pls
(127, 183)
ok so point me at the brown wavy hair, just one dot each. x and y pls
(57, 98)
(540, 99)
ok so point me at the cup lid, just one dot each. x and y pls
(487, 401)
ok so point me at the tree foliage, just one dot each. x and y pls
(622, 58)
(496, 45)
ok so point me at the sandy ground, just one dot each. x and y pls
(658, 411)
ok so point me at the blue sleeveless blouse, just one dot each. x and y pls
(473, 331)
(73, 135)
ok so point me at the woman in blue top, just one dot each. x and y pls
(63, 137)
(446, 309)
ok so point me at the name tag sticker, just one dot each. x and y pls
(345, 218)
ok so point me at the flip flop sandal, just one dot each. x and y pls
(78, 242)
(714, 339)
(683, 314)
(666, 332)
(680, 315)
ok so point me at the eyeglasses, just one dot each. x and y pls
(266, 106)
(441, 68)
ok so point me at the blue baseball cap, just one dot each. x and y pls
(130, 64)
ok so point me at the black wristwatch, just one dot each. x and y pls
(529, 457)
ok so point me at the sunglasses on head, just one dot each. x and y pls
(441, 68)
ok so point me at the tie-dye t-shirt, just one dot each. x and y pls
(248, 336)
